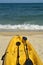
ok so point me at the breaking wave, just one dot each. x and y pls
(22, 27)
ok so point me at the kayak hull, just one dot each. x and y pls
(10, 57)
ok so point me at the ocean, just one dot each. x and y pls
(28, 16)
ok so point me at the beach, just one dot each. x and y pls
(35, 38)
(24, 19)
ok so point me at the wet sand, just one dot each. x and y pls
(35, 38)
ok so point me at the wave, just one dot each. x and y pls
(22, 27)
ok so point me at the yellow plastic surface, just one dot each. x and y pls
(11, 53)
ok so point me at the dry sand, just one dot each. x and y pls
(35, 37)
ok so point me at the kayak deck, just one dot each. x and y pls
(11, 52)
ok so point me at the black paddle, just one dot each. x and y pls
(18, 44)
(28, 60)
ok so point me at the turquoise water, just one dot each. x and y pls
(21, 15)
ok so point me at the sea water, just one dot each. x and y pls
(27, 16)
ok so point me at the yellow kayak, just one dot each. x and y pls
(20, 52)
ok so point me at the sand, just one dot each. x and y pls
(35, 38)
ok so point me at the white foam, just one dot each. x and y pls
(21, 27)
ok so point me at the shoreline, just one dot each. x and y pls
(11, 32)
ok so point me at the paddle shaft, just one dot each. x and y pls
(28, 60)
(18, 55)
(26, 51)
